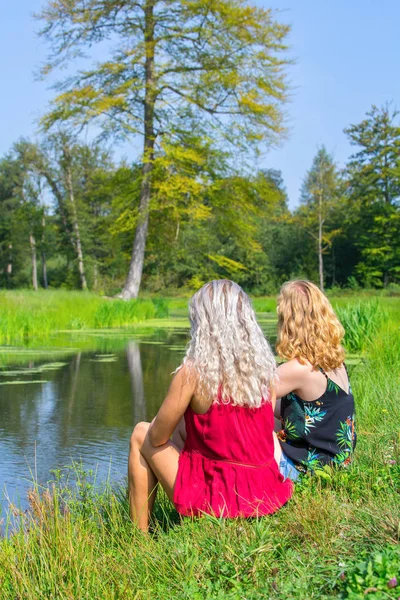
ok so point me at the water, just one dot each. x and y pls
(79, 405)
(79, 401)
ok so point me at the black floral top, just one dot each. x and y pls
(318, 432)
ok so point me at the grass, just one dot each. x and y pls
(27, 316)
(361, 321)
(33, 318)
(337, 538)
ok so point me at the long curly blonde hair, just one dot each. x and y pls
(232, 360)
(308, 328)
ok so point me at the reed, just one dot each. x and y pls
(361, 322)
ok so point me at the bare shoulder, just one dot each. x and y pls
(185, 376)
(295, 368)
(291, 377)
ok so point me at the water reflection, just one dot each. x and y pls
(135, 370)
(81, 409)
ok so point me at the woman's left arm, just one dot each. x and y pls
(291, 376)
(173, 408)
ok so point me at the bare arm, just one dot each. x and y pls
(291, 377)
(172, 409)
(273, 396)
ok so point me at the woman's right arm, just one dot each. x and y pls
(173, 408)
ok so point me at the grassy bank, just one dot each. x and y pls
(26, 316)
(337, 538)
(29, 318)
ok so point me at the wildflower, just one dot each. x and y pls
(392, 583)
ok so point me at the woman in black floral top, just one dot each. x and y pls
(317, 406)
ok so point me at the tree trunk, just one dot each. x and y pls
(58, 195)
(44, 271)
(385, 278)
(320, 257)
(320, 260)
(95, 276)
(32, 242)
(10, 264)
(44, 262)
(75, 225)
(132, 284)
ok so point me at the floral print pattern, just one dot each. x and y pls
(313, 415)
(346, 438)
(320, 432)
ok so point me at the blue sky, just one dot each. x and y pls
(347, 58)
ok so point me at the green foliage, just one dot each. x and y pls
(378, 575)
(361, 322)
(120, 314)
(161, 308)
(26, 316)
(373, 181)
(320, 201)
(206, 220)
(185, 76)
(220, 65)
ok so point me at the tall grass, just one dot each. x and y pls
(337, 538)
(27, 315)
(361, 322)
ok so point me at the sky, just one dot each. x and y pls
(346, 58)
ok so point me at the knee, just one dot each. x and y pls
(139, 434)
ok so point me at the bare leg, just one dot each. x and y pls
(163, 461)
(142, 483)
(146, 466)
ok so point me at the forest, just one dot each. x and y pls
(191, 203)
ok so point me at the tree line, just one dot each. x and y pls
(202, 87)
(69, 213)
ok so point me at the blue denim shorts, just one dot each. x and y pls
(287, 468)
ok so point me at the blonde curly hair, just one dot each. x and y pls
(232, 360)
(308, 328)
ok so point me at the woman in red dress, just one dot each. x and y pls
(224, 390)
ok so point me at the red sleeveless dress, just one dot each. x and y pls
(227, 465)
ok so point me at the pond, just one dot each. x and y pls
(79, 400)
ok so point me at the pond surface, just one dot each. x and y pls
(80, 402)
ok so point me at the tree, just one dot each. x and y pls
(209, 65)
(320, 192)
(69, 167)
(33, 209)
(10, 250)
(374, 192)
(22, 214)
